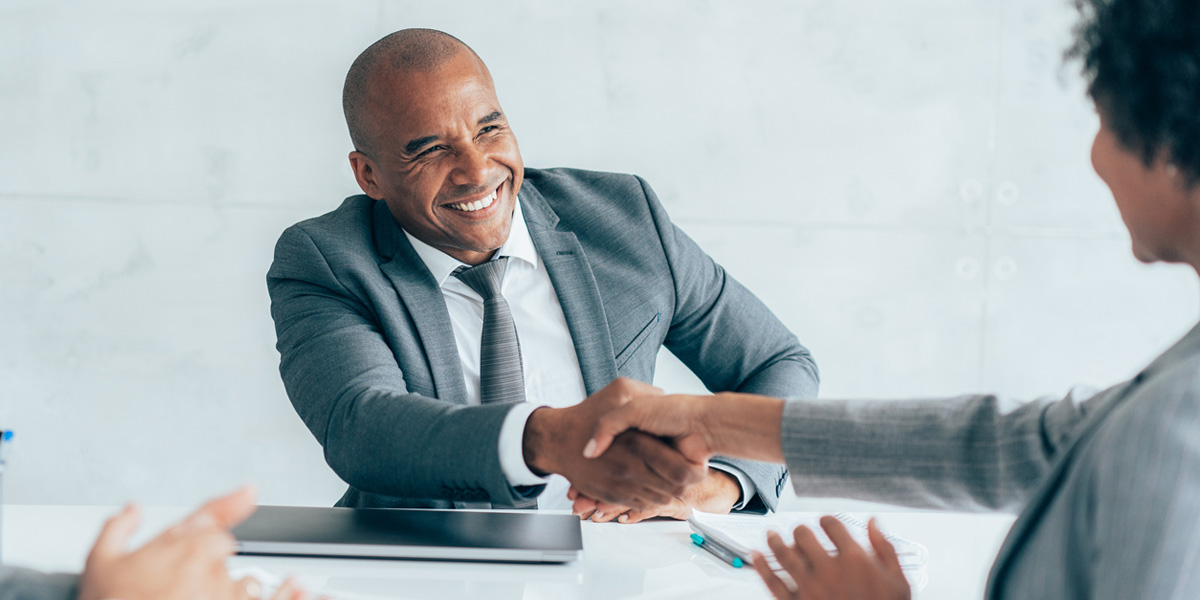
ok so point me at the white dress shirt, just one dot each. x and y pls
(551, 367)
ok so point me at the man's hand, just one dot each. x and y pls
(851, 574)
(638, 471)
(716, 494)
(741, 425)
(186, 561)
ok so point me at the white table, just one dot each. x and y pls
(644, 561)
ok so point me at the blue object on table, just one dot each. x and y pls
(718, 551)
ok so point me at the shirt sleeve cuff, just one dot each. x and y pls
(512, 447)
(743, 480)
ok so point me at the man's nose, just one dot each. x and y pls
(471, 167)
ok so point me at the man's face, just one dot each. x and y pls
(1152, 200)
(443, 157)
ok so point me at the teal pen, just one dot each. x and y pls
(718, 551)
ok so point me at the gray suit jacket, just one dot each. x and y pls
(23, 584)
(369, 360)
(1108, 486)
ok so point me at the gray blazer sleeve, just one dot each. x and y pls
(731, 341)
(965, 453)
(24, 584)
(345, 383)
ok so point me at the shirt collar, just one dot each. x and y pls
(519, 245)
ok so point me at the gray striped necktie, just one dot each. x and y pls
(501, 377)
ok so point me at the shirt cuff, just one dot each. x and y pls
(743, 480)
(512, 447)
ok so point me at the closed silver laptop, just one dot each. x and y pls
(428, 534)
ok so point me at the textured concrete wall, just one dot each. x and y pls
(906, 183)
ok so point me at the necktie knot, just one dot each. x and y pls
(484, 278)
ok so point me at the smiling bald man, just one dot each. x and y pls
(423, 392)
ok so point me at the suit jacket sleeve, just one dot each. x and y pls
(964, 453)
(344, 381)
(24, 584)
(731, 340)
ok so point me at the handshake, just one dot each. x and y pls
(631, 453)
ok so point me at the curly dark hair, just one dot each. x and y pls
(1141, 59)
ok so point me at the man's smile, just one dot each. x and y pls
(480, 207)
(472, 206)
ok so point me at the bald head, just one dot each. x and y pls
(405, 51)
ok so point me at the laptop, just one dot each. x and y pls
(428, 534)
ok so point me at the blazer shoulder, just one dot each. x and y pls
(590, 197)
(352, 217)
(566, 176)
(1170, 394)
(343, 238)
(1160, 418)
(564, 182)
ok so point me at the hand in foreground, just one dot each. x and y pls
(716, 494)
(639, 470)
(186, 561)
(851, 574)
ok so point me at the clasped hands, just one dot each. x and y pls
(639, 477)
(679, 434)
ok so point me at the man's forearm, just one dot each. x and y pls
(440, 451)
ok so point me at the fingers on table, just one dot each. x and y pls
(883, 548)
(778, 588)
(840, 537)
(248, 587)
(290, 590)
(636, 516)
(583, 505)
(608, 513)
(793, 559)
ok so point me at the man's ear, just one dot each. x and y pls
(364, 173)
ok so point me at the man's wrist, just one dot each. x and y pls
(538, 439)
(511, 447)
(744, 490)
(725, 487)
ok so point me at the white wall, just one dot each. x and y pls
(906, 183)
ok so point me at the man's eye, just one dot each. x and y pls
(489, 129)
(430, 150)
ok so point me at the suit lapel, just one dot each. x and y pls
(423, 299)
(576, 288)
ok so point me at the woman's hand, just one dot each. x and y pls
(851, 574)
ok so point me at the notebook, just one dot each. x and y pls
(742, 534)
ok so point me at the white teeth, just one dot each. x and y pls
(476, 205)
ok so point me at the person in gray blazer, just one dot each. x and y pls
(185, 561)
(384, 345)
(1107, 485)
